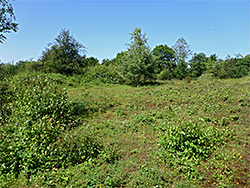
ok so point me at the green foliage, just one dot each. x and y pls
(182, 50)
(7, 70)
(181, 70)
(197, 65)
(232, 68)
(137, 65)
(7, 18)
(219, 70)
(186, 144)
(165, 74)
(30, 66)
(91, 62)
(65, 55)
(210, 63)
(165, 57)
(104, 74)
(37, 128)
(123, 124)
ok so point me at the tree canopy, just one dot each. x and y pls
(165, 57)
(137, 64)
(182, 50)
(7, 19)
(66, 55)
(197, 64)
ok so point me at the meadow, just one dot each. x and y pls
(177, 133)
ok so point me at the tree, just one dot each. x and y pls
(91, 62)
(165, 57)
(107, 62)
(137, 64)
(66, 55)
(232, 67)
(7, 18)
(197, 64)
(182, 52)
(211, 61)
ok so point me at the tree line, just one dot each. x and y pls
(137, 65)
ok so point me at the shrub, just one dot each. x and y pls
(105, 74)
(186, 144)
(37, 134)
(165, 74)
(7, 70)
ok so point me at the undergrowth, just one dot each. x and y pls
(176, 134)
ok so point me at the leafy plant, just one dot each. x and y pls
(37, 132)
(186, 144)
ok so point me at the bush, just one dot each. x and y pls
(206, 77)
(105, 74)
(186, 144)
(7, 70)
(36, 133)
(165, 74)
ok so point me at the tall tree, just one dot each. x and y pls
(137, 64)
(197, 64)
(165, 57)
(211, 61)
(182, 52)
(66, 55)
(7, 18)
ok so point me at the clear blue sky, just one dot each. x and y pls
(103, 26)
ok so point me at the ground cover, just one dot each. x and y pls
(175, 134)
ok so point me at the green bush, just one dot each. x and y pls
(7, 70)
(165, 74)
(37, 132)
(104, 74)
(186, 144)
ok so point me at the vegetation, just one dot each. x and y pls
(166, 61)
(7, 18)
(65, 56)
(68, 121)
(36, 122)
(137, 65)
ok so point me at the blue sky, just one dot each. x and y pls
(103, 26)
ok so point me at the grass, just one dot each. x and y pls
(130, 122)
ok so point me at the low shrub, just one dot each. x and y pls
(104, 74)
(165, 74)
(186, 144)
(37, 132)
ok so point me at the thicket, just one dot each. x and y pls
(186, 144)
(38, 125)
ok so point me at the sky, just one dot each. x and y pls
(219, 27)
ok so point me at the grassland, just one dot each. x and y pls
(141, 126)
